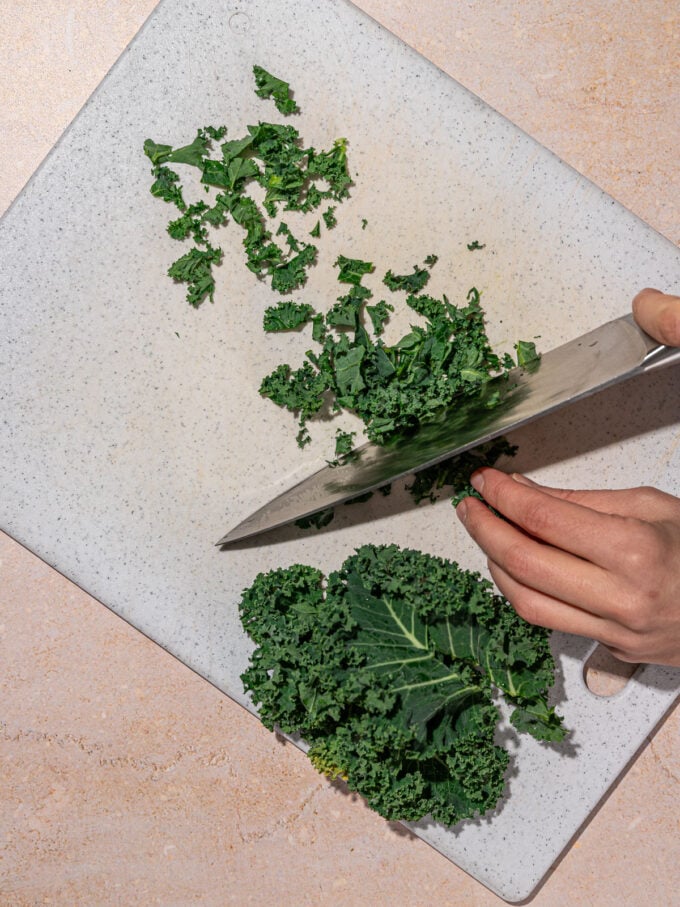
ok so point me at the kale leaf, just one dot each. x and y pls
(386, 669)
(269, 86)
(287, 316)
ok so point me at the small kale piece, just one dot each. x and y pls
(352, 270)
(412, 283)
(386, 669)
(166, 186)
(195, 269)
(268, 86)
(287, 316)
(379, 314)
(527, 357)
(472, 246)
(291, 274)
(329, 217)
(300, 391)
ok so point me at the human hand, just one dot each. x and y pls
(659, 315)
(600, 564)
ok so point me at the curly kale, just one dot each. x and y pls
(386, 668)
(293, 177)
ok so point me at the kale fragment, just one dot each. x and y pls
(271, 155)
(269, 86)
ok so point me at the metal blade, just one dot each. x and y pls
(605, 356)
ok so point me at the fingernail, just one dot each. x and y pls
(477, 481)
(462, 511)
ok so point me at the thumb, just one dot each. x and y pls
(659, 315)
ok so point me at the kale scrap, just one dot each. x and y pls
(387, 667)
(293, 177)
(393, 388)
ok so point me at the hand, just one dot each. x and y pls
(600, 564)
(659, 315)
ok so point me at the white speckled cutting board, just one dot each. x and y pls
(132, 433)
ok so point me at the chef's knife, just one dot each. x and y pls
(609, 354)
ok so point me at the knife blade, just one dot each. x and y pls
(611, 353)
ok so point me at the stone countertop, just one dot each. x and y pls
(122, 782)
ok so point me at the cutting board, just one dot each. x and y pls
(133, 435)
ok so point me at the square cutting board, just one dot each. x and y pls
(133, 436)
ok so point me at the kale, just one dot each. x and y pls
(329, 217)
(396, 388)
(379, 314)
(454, 472)
(293, 177)
(165, 186)
(472, 246)
(343, 443)
(287, 316)
(269, 86)
(195, 269)
(352, 269)
(527, 357)
(413, 283)
(386, 668)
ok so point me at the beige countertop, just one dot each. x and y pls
(129, 780)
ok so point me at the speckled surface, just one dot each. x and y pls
(600, 440)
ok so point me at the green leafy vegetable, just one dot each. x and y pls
(527, 357)
(386, 668)
(454, 473)
(472, 246)
(329, 217)
(352, 269)
(287, 316)
(396, 388)
(413, 283)
(269, 86)
(343, 443)
(293, 177)
(194, 269)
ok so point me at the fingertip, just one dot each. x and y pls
(462, 510)
(477, 480)
(658, 314)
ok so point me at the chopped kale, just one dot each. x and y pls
(287, 316)
(527, 357)
(412, 283)
(195, 269)
(352, 270)
(269, 86)
(293, 177)
(329, 217)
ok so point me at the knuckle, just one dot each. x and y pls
(518, 560)
(537, 517)
(526, 608)
(648, 498)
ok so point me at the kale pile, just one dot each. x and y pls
(293, 177)
(386, 669)
(392, 388)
